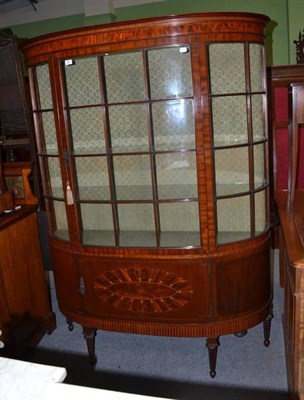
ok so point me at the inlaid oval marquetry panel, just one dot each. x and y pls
(143, 290)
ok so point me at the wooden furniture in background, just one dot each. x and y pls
(156, 193)
(290, 205)
(292, 264)
(16, 126)
(280, 81)
(17, 180)
(26, 313)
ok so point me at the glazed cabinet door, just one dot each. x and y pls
(127, 151)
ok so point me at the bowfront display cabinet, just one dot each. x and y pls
(152, 144)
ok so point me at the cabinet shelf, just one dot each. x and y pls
(131, 193)
(135, 238)
(235, 189)
(236, 142)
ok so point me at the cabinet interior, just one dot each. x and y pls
(130, 129)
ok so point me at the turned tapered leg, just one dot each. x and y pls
(267, 328)
(212, 344)
(89, 335)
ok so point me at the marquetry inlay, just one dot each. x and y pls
(143, 290)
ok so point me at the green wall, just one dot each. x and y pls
(286, 19)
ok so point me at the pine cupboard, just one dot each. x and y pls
(153, 148)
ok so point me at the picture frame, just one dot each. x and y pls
(17, 180)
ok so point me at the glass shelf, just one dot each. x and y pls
(183, 146)
(230, 237)
(133, 192)
(226, 189)
(136, 238)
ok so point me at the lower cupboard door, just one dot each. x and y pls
(148, 290)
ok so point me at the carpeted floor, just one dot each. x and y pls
(175, 368)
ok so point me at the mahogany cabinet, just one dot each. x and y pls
(153, 148)
(26, 313)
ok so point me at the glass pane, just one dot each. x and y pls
(92, 177)
(49, 145)
(176, 176)
(260, 212)
(61, 221)
(128, 125)
(82, 80)
(55, 184)
(179, 224)
(87, 130)
(97, 224)
(258, 121)
(173, 125)
(231, 170)
(256, 67)
(227, 67)
(44, 87)
(133, 177)
(124, 77)
(170, 72)
(259, 165)
(229, 116)
(233, 219)
(136, 222)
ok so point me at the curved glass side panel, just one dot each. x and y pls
(48, 141)
(258, 120)
(259, 165)
(260, 212)
(44, 100)
(48, 149)
(238, 102)
(256, 57)
(61, 222)
(55, 180)
(231, 171)
(233, 219)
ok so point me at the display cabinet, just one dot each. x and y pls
(152, 142)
